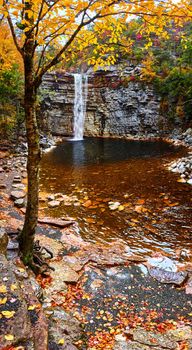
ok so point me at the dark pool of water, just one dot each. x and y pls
(99, 151)
(154, 208)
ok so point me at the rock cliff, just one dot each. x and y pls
(116, 107)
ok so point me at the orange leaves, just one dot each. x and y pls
(140, 209)
(101, 341)
(87, 203)
(8, 52)
(44, 281)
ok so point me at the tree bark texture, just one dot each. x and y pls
(26, 240)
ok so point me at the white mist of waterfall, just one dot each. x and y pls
(80, 104)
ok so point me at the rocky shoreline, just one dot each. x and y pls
(183, 166)
(42, 308)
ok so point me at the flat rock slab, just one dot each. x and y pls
(132, 345)
(21, 319)
(54, 246)
(167, 276)
(65, 327)
(63, 272)
(56, 222)
(168, 340)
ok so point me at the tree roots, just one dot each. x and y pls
(38, 258)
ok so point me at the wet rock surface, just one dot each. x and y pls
(183, 167)
(108, 293)
(21, 320)
(64, 330)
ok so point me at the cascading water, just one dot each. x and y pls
(80, 102)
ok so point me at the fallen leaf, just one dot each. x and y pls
(140, 209)
(121, 207)
(3, 289)
(3, 301)
(61, 341)
(140, 201)
(90, 220)
(21, 269)
(32, 307)
(181, 180)
(87, 204)
(8, 314)
(9, 337)
(13, 287)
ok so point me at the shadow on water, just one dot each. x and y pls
(100, 151)
(155, 208)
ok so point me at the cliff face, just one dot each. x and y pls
(115, 106)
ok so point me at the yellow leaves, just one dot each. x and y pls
(61, 341)
(3, 289)
(8, 314)
(9, 337)
(3, 301)
(13, 287)
(121, 207)
(147, 71)
(32, 307)
(98, 44)
(30, 13)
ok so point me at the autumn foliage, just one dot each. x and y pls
(48, 33)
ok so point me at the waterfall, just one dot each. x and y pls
(80, 102)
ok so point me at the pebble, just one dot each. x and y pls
(17, 179)
(53, 204)
(19, 186)
(51, 197)
(17, 194)
(20, 203)
(2, 186)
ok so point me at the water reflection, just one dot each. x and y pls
(155, 207)
(100, 151)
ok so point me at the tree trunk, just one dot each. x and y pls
(26, 239)
(31, 216)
